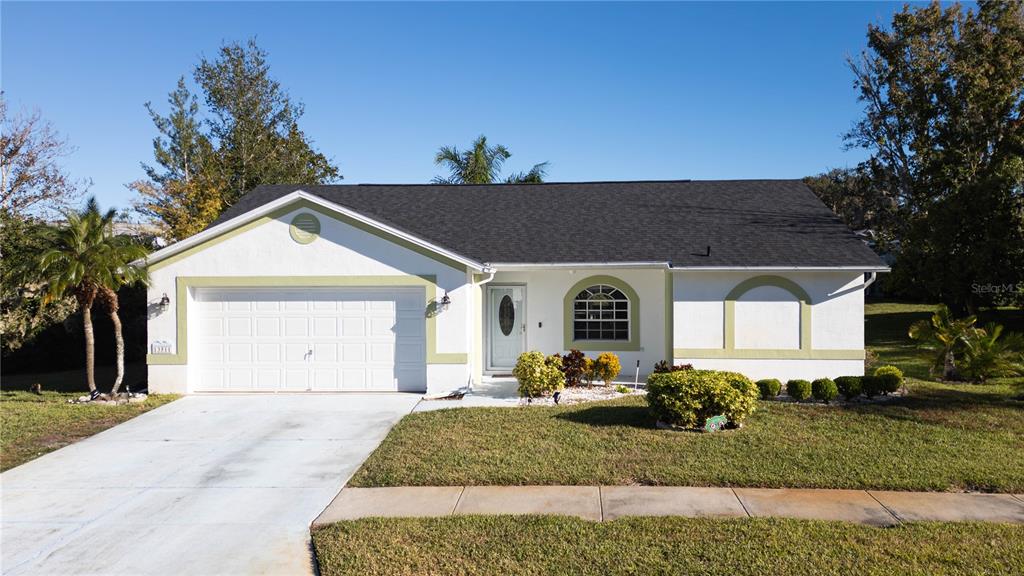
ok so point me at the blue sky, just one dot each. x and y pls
(601, 91)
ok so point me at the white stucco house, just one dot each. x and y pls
(430, 288)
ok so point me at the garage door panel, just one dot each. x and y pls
(296, 326)
(268, 352)
(381, 379)
(310, 339)
(382, 352)
(353, 327)
(325, 327)
(239, 327)
(239, 352)
(381, 327)
(296, 379)
(240, 378)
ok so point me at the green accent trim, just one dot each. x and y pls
(305, 228)
(670, 321)
(300, 204)
(633, 344)
(777, 282)
(767, 354)
(428, 282)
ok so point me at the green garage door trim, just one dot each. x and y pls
(184, 283)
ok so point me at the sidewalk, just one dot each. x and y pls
(601, 503)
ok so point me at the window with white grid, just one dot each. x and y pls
(601, 312)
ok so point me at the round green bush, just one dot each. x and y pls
(891, 378)
(798, 390)
(871, 386)
(849, 386)
(769, 387)
(688, 398)
(824, 389)
(537, 375)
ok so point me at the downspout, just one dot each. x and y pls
(490, 276)
(871, 280)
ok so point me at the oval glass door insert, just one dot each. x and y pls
(506, 315)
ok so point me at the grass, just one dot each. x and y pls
(940, 437)
(538, 545)
(34, 425)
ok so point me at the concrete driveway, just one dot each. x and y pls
(223, 484)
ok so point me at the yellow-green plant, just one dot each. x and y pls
(606, 367)
(537, 375)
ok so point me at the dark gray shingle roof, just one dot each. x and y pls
(746, 222)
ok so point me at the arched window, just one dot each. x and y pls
(601, 312)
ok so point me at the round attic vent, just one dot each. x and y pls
(304, 228)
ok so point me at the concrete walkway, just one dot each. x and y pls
(600, 503)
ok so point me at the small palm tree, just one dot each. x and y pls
(482, 164)
(992, 354)
(946, 336)
(86, 260)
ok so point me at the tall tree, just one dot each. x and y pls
(852, 194)
(85, 259)
(32, 180)
(481, 164)
(34, 186)
(255, 124)
(183, 192)
(246, 134)
(943, 94)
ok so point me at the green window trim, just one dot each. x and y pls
(184, 283)
(775, 282)
(631, 345)
(765, 354)
(730, 352)
(303, 204)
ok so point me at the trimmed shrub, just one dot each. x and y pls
(769, 388)
(848, 386)
(871, 386)
(689, 397)
(574, 367)
(824, 389)
(748, 396)
(663, 366)
(537, 375)
(798, 390)
(606, 367)
(891, 378)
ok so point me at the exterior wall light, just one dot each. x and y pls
(445, 301)
(165, 301)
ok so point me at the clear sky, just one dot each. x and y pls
(601, 91)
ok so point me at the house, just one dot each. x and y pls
(433, 287)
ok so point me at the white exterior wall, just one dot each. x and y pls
(341, 250)
(768, 318)
(545, 312)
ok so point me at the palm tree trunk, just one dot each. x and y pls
(85, 300)
(113, 305)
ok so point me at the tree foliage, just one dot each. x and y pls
(32, 180)
(943, 95)
(862, 205)
(244, 134)
(482, 164)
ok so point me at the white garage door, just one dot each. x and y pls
(320, 339)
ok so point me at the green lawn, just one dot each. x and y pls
(538, 545)
(941, 437)
(34, 425)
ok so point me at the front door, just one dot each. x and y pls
(506, 321)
